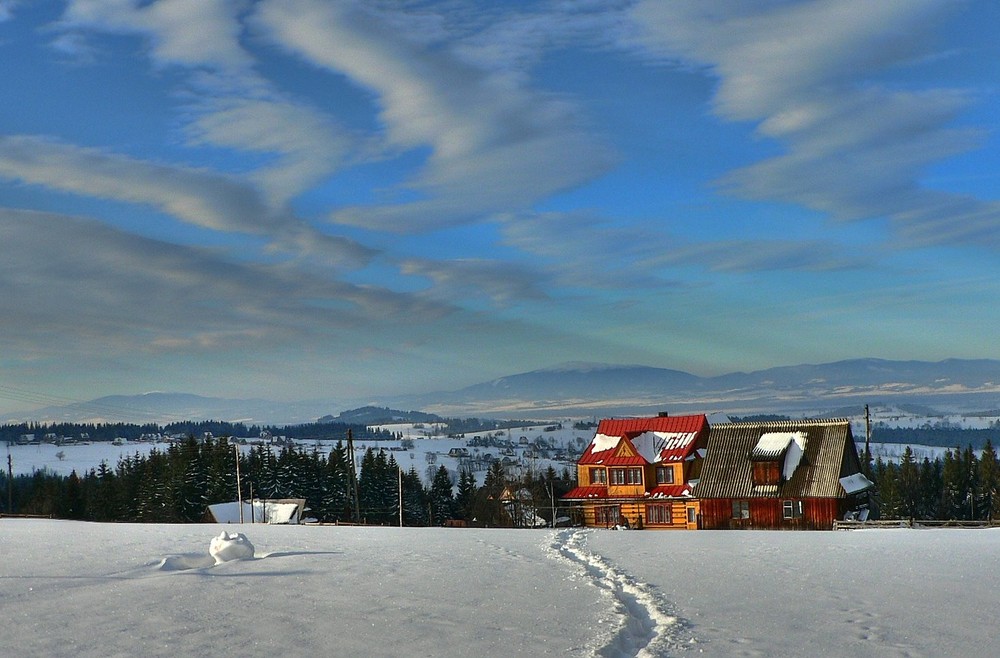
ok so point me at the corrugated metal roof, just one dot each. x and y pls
(586, 493)
(830, 454)
(670, 491)
(680, 439)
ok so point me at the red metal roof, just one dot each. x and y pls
(685, 429)
(671, 491)
(588, 493)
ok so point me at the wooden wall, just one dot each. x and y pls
(767, 514)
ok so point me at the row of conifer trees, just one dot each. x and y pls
(961, 485)
(178, 484)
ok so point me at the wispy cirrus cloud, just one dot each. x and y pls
(808, 74)
(236, 108)
(117, 287)
(196, 196)
(494, 143)
(502, 282)
(191, 33)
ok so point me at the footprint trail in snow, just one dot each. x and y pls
(647, 626)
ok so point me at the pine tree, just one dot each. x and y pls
(442, 499)
(466, 496)
(988, 483)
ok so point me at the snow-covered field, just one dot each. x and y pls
(81, 589)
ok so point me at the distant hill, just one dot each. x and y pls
(380, 416)
(593, 389)
(576, 389)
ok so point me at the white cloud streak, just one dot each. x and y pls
(808, 74)
(195, 196)
(494, 144)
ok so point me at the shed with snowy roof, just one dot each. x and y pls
(640, 472)
(785, 475)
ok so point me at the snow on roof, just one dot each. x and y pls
(604, 442)
(854, 483)
(662, 446)
(772, 445)
(259, 511)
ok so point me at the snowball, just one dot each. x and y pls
(228, 547)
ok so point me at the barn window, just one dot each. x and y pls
(792, 509)
(741, 509)
(598, 476)
(659, 513)
(664, 475)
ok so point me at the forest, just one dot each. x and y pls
(176, 485)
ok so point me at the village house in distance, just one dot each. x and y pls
(679, 472)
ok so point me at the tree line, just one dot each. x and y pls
(961, 485)
(177, 485)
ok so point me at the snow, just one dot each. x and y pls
(230, 546)
(651, 445)
(854, 483)
(772, 444)
(604, 442)
(87, 589)
(256, 511)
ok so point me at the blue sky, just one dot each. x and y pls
(303, 199)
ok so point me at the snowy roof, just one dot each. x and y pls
(657, 439)
(773, 446)
(855, 483)
(258, 511)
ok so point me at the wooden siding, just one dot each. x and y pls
(768, 514)
(595, 514)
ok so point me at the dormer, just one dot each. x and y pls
(775, 458)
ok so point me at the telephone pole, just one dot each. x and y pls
(354, 475)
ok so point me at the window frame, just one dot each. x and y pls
(741, 509)
(664, 471)
(625, 476)
(601, 473)
(792, 509)
(662, 513)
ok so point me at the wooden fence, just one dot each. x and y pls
(913, 523)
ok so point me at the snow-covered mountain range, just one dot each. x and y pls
(589, 389)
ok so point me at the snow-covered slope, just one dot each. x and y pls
(78, 589)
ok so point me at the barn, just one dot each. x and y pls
(782, 475)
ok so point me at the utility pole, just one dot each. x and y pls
(354, 475)
(400, 474)
(10, 484)
(868, 438)
(239, 489)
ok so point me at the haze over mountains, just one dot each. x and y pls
(591, 389)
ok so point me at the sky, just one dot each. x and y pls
(302, 199)
(124, 589)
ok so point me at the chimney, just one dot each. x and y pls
(663, 414)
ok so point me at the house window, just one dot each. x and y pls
(626, 476)
(664, 475)
(741, 509)
(659, 513)
(792, 509)
(598, 476)
(692, 515)
(607, 515)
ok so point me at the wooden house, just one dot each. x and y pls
(781, 475)
(639, 473)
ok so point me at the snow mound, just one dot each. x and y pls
(228, 547)
(186, 562)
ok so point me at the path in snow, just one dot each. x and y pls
(646, 623)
